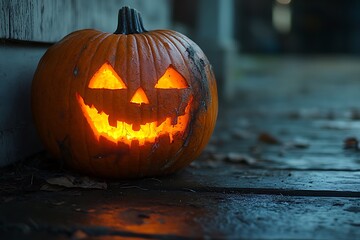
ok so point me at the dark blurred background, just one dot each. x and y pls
(285, 26)
(245, 37)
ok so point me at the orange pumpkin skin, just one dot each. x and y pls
(61, 82)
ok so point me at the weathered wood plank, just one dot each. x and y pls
(49, 21)
(4, 18)
(169, 215)
(52, 20)
(229, 178)
(221, 177)
(21, 21)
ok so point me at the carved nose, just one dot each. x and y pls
(139, 97)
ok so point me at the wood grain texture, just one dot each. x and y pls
(21, 21)
(262, 181)
(49, 21)
(4, 18)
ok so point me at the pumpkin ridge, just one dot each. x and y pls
(151, 46)
(132, 48)
(102, 37)
(119, 38)
(83, 42)
(202, 80)
(72, 46)
(167, 159)
(108, 51)
(176, 36)
(168, 37)
(49, 63)
(171, 160)
(139, 63)
(176, 47)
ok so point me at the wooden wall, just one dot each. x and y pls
(27, 28)
(49, 21)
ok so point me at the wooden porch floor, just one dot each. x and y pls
(283, 164)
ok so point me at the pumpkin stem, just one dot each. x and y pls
(129, 22)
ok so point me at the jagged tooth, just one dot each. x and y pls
(171, 137)
(160, 121)
(136, 127)
(112, 121)
(174, 120)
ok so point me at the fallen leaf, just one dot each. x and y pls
(351, 143)
(72, 182)
(79, 234)
(267, 138)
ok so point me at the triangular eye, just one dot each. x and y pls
(106, 78)
(171, 79)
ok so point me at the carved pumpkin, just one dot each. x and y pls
(131, 104)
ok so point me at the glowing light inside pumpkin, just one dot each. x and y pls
(123, 132)
(140, 97)
(106, 78)
(171, 79)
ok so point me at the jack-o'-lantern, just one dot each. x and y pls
(130, 104)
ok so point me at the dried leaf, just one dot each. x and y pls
(267, 138)
(351, 143)
(79, 234)
(72, 182)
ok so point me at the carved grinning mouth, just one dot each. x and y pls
(124, 132)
